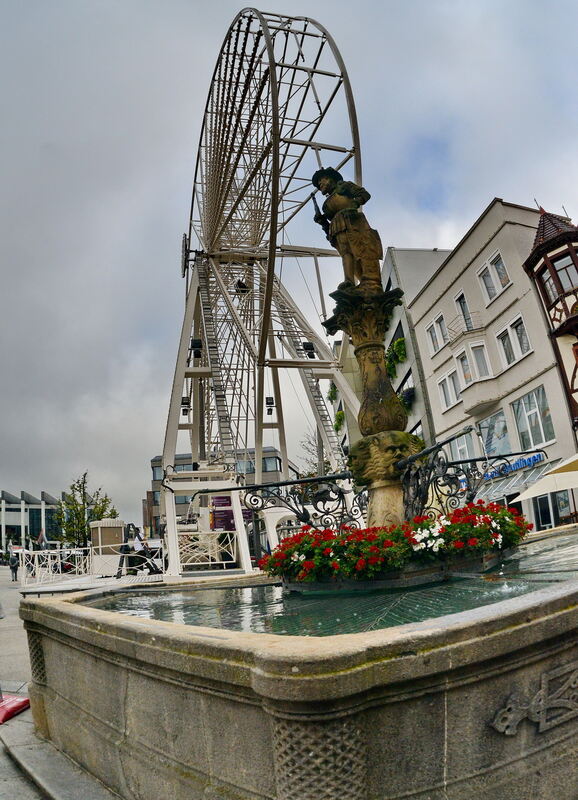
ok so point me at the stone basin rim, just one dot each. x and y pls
(307, 665)
(490, 615)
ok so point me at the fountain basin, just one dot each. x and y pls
(477, 705)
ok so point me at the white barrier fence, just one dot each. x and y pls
(217, 549)
(40, 567)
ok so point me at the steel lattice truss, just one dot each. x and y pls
(279, 107)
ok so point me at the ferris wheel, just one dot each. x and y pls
(280, 106)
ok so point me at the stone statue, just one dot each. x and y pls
(373, 459)
(363, 312)
(347, 228)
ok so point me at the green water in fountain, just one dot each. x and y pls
(266, 609)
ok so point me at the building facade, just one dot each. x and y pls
(488, 360)
(23, 518)
(406, 269)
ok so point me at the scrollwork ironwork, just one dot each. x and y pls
(319, 502)
(433, 484)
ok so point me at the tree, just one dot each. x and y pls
(79, 507)
(309, 456)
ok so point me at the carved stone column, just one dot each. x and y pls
(363, 312)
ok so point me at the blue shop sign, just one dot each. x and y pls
(521, 463)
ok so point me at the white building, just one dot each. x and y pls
(488, 361)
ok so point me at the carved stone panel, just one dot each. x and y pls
(555, 702)
(319, 760)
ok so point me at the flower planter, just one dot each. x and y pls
(412, 575)
(469, 541)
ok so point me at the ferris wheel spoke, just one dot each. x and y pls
(279, 95)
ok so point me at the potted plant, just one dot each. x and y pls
(424, 550)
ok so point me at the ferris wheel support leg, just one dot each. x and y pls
(242, 541)
(174, 567)
(270, 527)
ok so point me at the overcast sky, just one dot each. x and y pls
(102, 100)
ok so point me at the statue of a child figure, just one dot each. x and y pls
(347, 228)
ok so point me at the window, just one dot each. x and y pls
(245, 466)
(480, 359)
(417, 430)
(433, 339)
(513, 342)
(407, 382)
(182, 499)
(488, 283)
(157, 473)
(465, 370)
(507, 349)
(549, 286)
(500, 269)
(271, 464)
(156, 498)
(462, 305)
(494, 432)
(521, 337)
(567, 272)
(437, 334)
(462, 448)
(442, 330)
(533, 419)
(183, 467)
(449, 389)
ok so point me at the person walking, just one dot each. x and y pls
(14, 563)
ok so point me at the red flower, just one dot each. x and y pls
(360, 564)
(308, 565)
(373, 560)
(334, 565)
(472, 542)
(373, 549)
(458, 545)
(327, 551)
(387, 543)
(280, 555)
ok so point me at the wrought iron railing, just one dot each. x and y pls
(433, 484)
(319, 502)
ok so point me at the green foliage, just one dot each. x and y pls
(79, 508)
(406, 397)
(396, 353)
(339, 420)
(332, 393)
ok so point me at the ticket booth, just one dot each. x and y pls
(106, 538)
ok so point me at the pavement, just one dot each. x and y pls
(30, 767)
